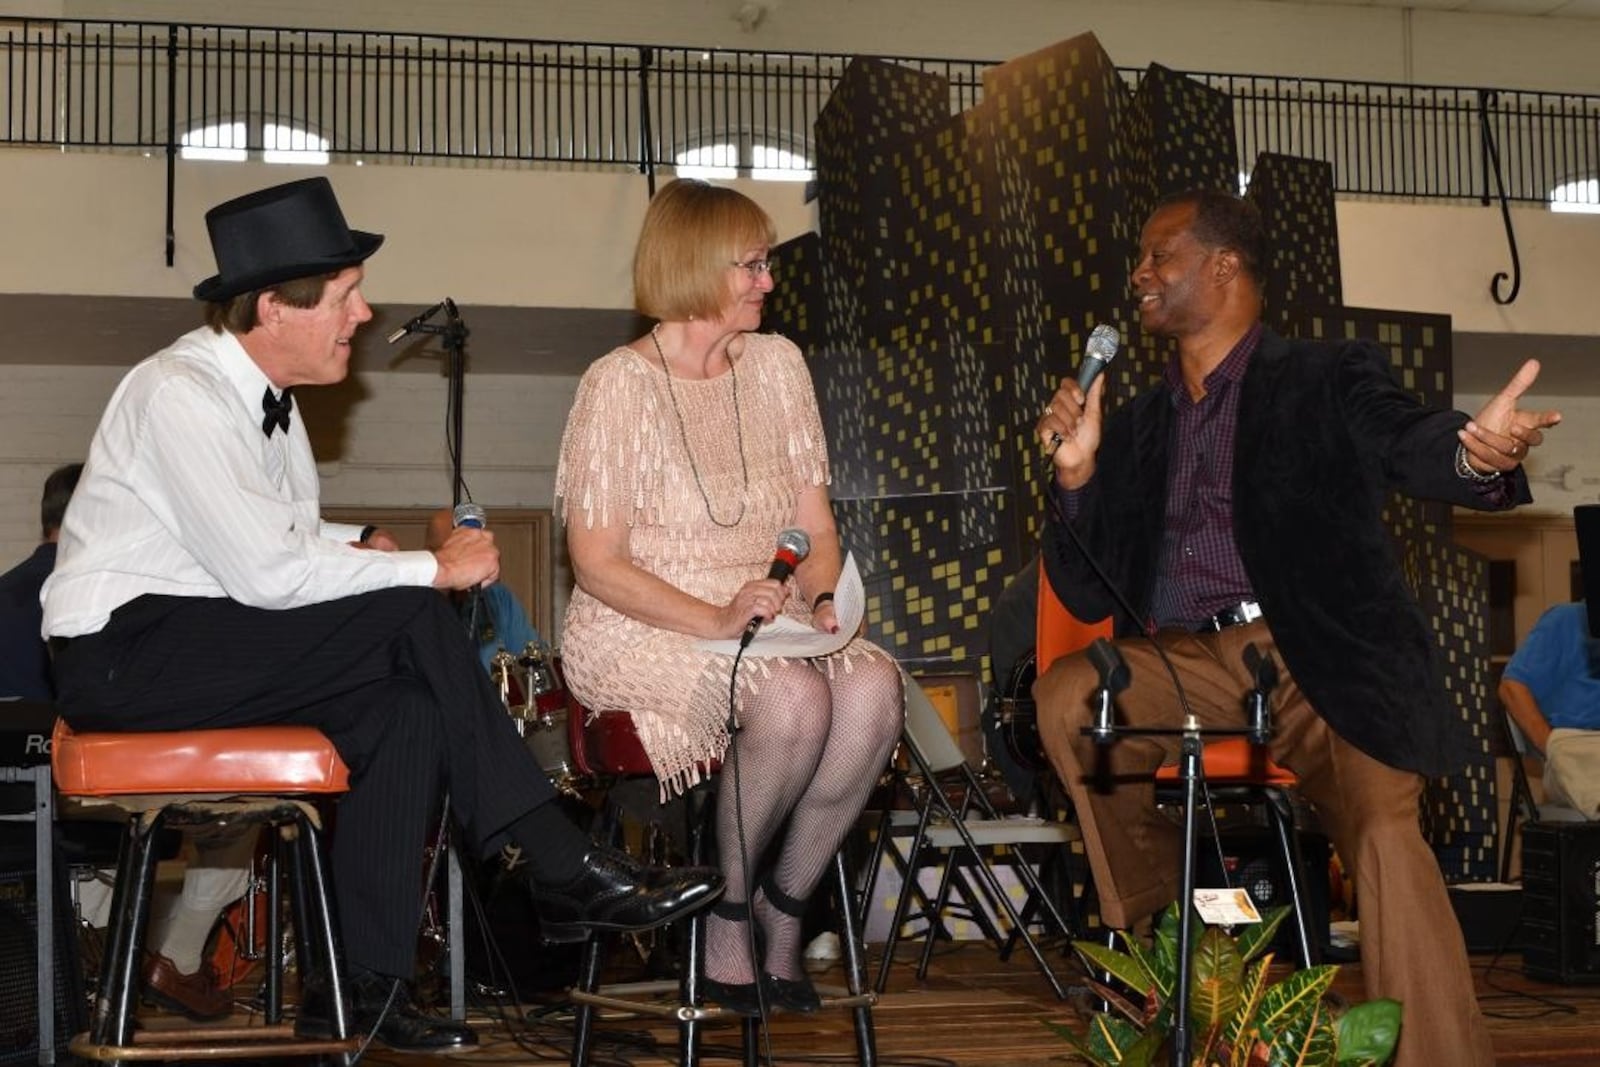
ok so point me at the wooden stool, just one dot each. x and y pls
(257, 774)
(608, 748)
(1239, 772)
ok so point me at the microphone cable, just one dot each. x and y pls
(1144, 631)
(732, 762)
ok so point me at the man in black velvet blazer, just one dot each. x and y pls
(1239, 502)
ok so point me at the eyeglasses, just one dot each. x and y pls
(754, 267)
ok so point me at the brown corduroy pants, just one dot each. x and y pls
(1411, 945)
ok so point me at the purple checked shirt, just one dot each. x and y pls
(1200, 572)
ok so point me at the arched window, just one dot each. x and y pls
(227, 141)
(709, 161)
(285, 144)
(224, 141)
(1579, 196)
(724, 160)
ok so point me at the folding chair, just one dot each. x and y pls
(1524, 806)
(953, 818)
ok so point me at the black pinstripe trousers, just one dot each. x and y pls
(390, 677)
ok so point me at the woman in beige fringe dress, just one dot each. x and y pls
(686, 453)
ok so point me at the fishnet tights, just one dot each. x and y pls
(810, 749)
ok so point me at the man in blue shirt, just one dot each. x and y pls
(1552, 691)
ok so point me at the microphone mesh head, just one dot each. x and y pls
(468, 514)
(1103, 342)
(796, 542)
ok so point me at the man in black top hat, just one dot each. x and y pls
(196, 587)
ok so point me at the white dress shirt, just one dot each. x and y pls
(183, 495)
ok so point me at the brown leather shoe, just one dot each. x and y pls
(194, 995)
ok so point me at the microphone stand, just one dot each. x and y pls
(454, 334)
(1191, 771)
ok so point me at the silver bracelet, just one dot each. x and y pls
(1464, 469)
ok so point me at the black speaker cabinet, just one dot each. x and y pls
(1561, 901)
(19, 975)
(1251, 858)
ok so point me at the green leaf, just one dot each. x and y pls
(1161, 976)
(1298, 994)
(1164, 944)
(1214, 981)
(1145, 1052)
(1129, 970)
(1306, 1039)
(1240, 1033)
(1256, 937)
(1367, 1033)
(1107, 1041)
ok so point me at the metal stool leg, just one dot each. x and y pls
(855, 961)
(1282, 815)
(594, 950)
(119, 980)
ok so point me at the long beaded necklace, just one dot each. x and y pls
(683, 433)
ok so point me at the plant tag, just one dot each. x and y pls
(1225, 907)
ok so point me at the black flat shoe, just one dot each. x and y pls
(402, 1027)
(739, 998)
(616, 892)
(791, 994)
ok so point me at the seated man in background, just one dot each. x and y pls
(198, 587)
(176, 975)
(501, 622)
(24, 659)
(1551, 688)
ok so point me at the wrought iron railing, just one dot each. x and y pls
(501, 102)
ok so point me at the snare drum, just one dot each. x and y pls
(543, 714)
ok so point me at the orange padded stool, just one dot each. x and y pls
(1239, 772)
(607, 748)
(259, 774)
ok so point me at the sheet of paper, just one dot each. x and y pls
(784, 636)
(1225, 907)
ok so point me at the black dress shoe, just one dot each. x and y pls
(393, 1021)
(739, 998)
(616, 892)
(791, 994)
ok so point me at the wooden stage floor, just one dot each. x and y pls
(974, 1011)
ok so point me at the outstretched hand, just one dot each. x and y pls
(1500, 436)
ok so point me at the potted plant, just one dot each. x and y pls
(1236, 1017)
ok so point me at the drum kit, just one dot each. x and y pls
(534, 695)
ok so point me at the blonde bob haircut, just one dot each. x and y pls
(693, 232)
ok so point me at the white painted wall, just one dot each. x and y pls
(93, 223)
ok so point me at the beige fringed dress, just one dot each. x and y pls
(623, 461)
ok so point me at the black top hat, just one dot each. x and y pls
(289, 231)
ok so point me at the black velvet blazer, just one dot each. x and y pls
(1324, 433)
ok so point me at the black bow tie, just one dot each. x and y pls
(277, 411)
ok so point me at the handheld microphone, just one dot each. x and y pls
(1097, 352)
(1114, 677)
(473, 517)
(793, 547)
(417, 321)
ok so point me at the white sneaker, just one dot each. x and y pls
(825, 946)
